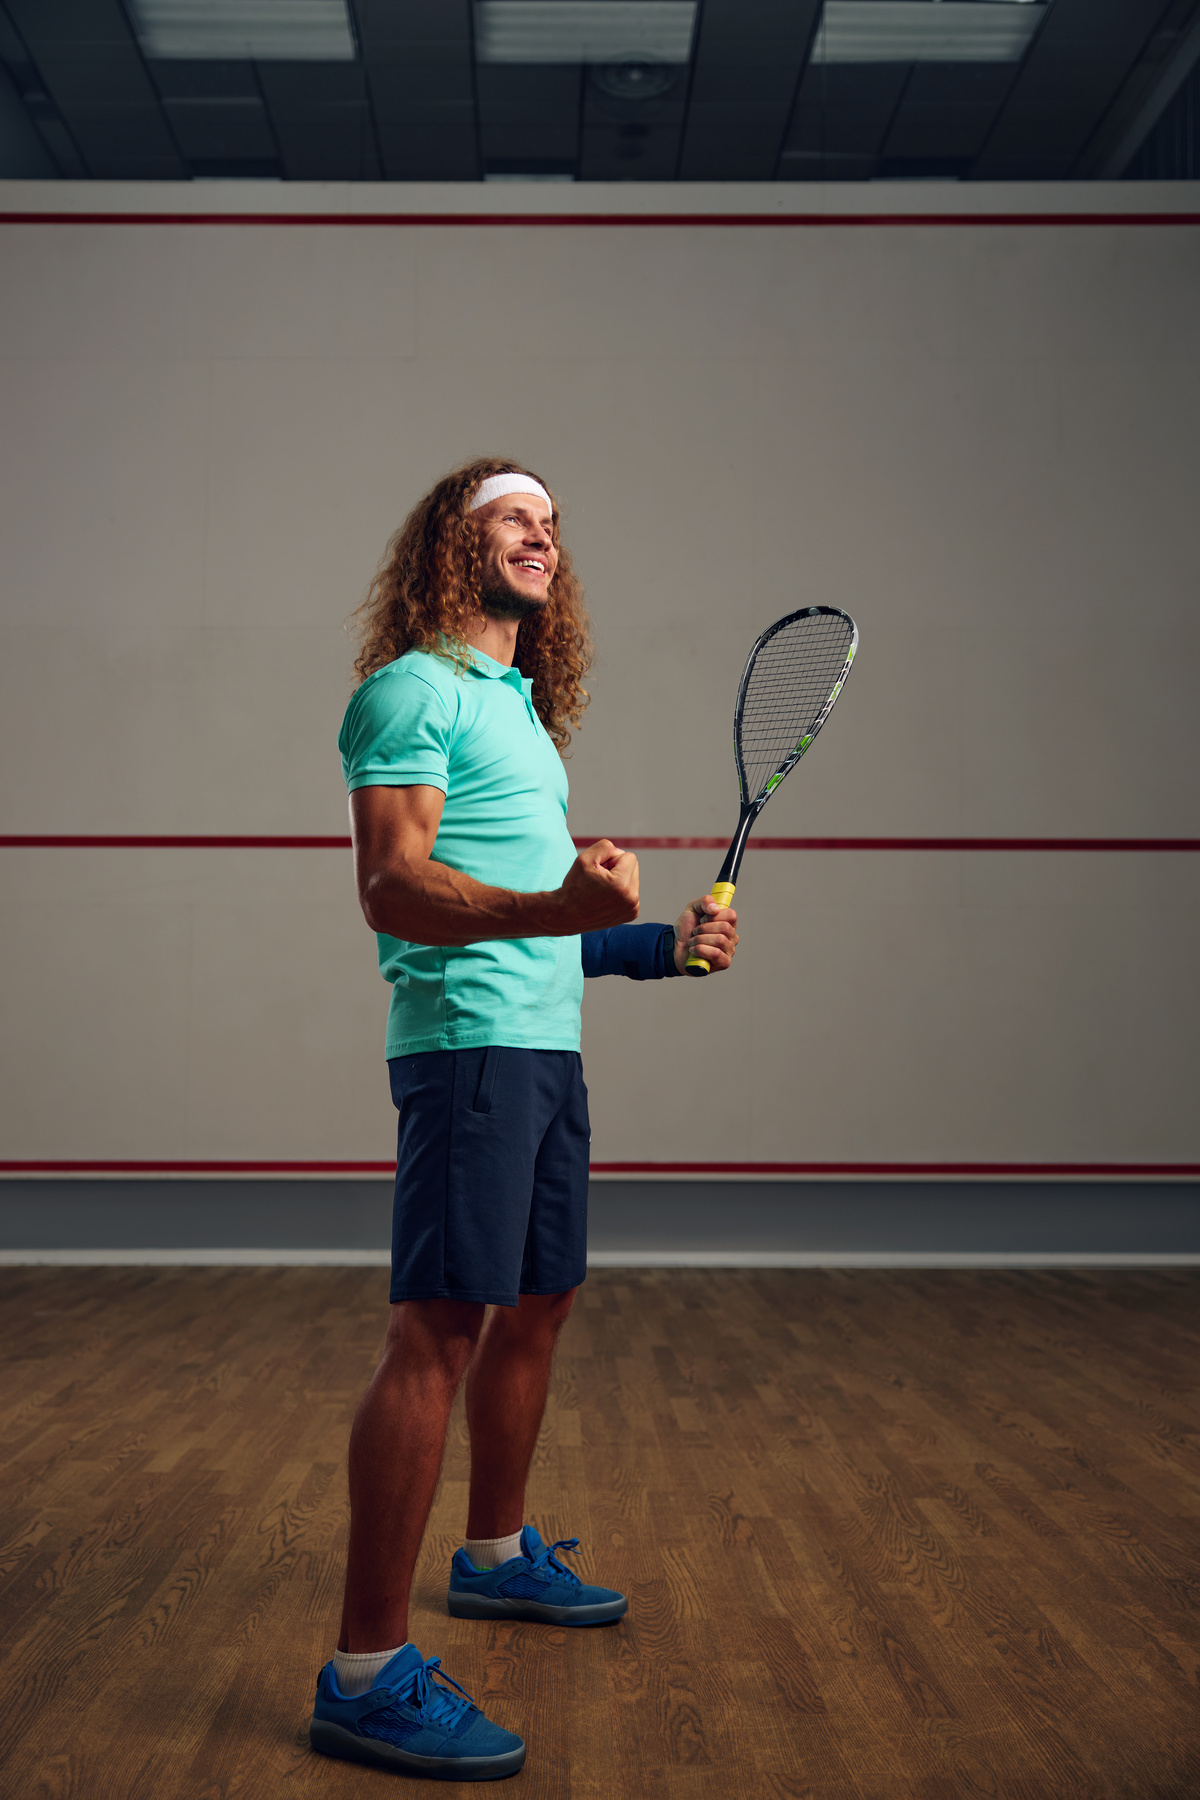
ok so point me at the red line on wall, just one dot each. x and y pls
(892, 1168)
(803, 220)
(920, 843)
(121, 1166)
(1173, 1171)
(96, 841)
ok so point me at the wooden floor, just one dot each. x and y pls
(886, 1536)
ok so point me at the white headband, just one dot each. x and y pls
(497, 485)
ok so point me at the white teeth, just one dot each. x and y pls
(540, 567)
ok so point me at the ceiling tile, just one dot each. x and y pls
(412, 22)
(1066, 84)
(845, 109)
(203, 80)
(221, 128)
(437, 144)
(327, 143)
(400, 85)
(530, 114)
(748, 60)
(309, 83)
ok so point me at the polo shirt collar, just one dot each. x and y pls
(491, 670)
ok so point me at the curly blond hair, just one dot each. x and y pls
(428, 587)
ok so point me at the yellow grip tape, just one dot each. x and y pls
(722, 893)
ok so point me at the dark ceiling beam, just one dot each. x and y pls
(746, 67)
(322, 120)
(26, 107)
(1067, 82)
(420, 65)
(529, 115)
(23, 155)
(1169, 58)
(93, 70)
(842, 115)
(945, 116)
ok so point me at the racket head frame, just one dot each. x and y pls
(752, 804)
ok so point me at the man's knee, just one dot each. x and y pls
(538, 1315)
(437, 1332)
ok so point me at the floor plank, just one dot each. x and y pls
(886, 1536)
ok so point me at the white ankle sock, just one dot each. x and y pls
(356, 1669)
(489, 1553)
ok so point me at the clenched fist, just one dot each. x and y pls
(600, 889)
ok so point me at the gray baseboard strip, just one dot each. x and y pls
(633, 1224)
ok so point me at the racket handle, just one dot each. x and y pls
(722, 893)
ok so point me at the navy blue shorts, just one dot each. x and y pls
(491, 1174)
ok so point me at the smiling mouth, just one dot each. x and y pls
(530, 562)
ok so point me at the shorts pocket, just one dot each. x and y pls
(487, 1079)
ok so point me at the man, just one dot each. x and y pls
(475, 647)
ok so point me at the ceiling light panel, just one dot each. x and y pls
(265, 30)
(909, 31)
(584, 31)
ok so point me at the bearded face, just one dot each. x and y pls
(516, 549)
(506, 603)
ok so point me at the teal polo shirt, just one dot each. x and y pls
(417, 721)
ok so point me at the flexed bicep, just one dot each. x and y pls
(393, 831)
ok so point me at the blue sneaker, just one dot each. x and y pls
(533, 1586)
(409, 1725)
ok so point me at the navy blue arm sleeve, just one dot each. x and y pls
(642, 952)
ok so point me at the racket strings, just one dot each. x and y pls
(786, 690)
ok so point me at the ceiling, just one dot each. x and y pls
(591, 90)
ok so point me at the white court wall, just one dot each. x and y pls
(979, 439)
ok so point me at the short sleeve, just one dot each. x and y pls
(396, 733)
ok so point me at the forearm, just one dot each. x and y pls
(426, 902)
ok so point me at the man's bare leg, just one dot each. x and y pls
(396, 1449)
(507, 1384)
